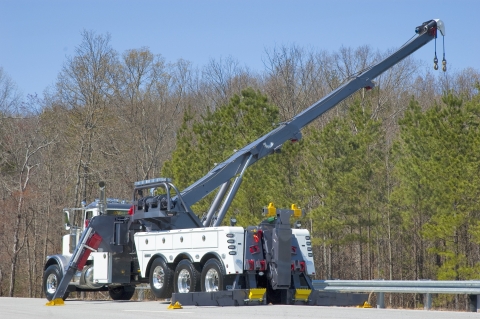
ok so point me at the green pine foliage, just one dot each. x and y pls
(215, 137)
(439, 184)
(341, 171)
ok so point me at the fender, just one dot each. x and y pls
(214, 254)
(60, 260)
(149, 265)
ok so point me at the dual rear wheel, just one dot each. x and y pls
(186, 277)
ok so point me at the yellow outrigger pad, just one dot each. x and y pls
(257, 294)
(176, 305)
(55, 302)
(302, 294)
(365, 305)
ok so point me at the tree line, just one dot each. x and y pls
(387, 180)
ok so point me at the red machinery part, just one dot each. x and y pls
(93, 242)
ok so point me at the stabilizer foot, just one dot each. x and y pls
(176, 305)
(365, 305)
(55, 302)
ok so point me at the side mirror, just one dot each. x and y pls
(298, 224)
(66, 218)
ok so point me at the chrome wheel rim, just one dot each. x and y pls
(158, 277)
(211, 280)
(51, 284)
(183, 281)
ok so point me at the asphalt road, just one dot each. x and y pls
(22, 308)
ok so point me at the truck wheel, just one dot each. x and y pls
(51, 279)
(121, 292)
(161, 279)
(187, 277)
(213, 276)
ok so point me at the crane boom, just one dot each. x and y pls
(267, 144)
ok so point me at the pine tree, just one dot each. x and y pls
(439, 185)
(341, 171)
(202, 144)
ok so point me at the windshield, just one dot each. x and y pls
(117, 212)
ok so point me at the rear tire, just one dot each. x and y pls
(187, 277)
(121, 292)
(51, 279)
(161, 279)
(213, 276)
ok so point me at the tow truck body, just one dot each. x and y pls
(163, 243)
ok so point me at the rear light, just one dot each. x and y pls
(254, 249)
(252, 264)
(230, 235)
(263, 265)
(257, 236)
(302, 266)
(298, 265)
(294, 250)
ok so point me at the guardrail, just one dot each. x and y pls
(380, 287)
(427, 287)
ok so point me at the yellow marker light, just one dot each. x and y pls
(297, 212)
(271, 210)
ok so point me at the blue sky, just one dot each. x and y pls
(37, 36)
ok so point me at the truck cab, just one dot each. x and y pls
(76, 220)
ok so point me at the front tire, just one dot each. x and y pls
(187, 277)
(121, 292)
(51, 279)
(161, 279)
(213, 277)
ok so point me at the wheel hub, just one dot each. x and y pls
(51, 284)
(184, 281)
(211, 280)
(158, 277)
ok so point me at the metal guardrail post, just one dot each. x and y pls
(428, 302)
(381, 300)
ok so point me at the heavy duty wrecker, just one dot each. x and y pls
(157, 239)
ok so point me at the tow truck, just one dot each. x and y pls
(162, 242)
